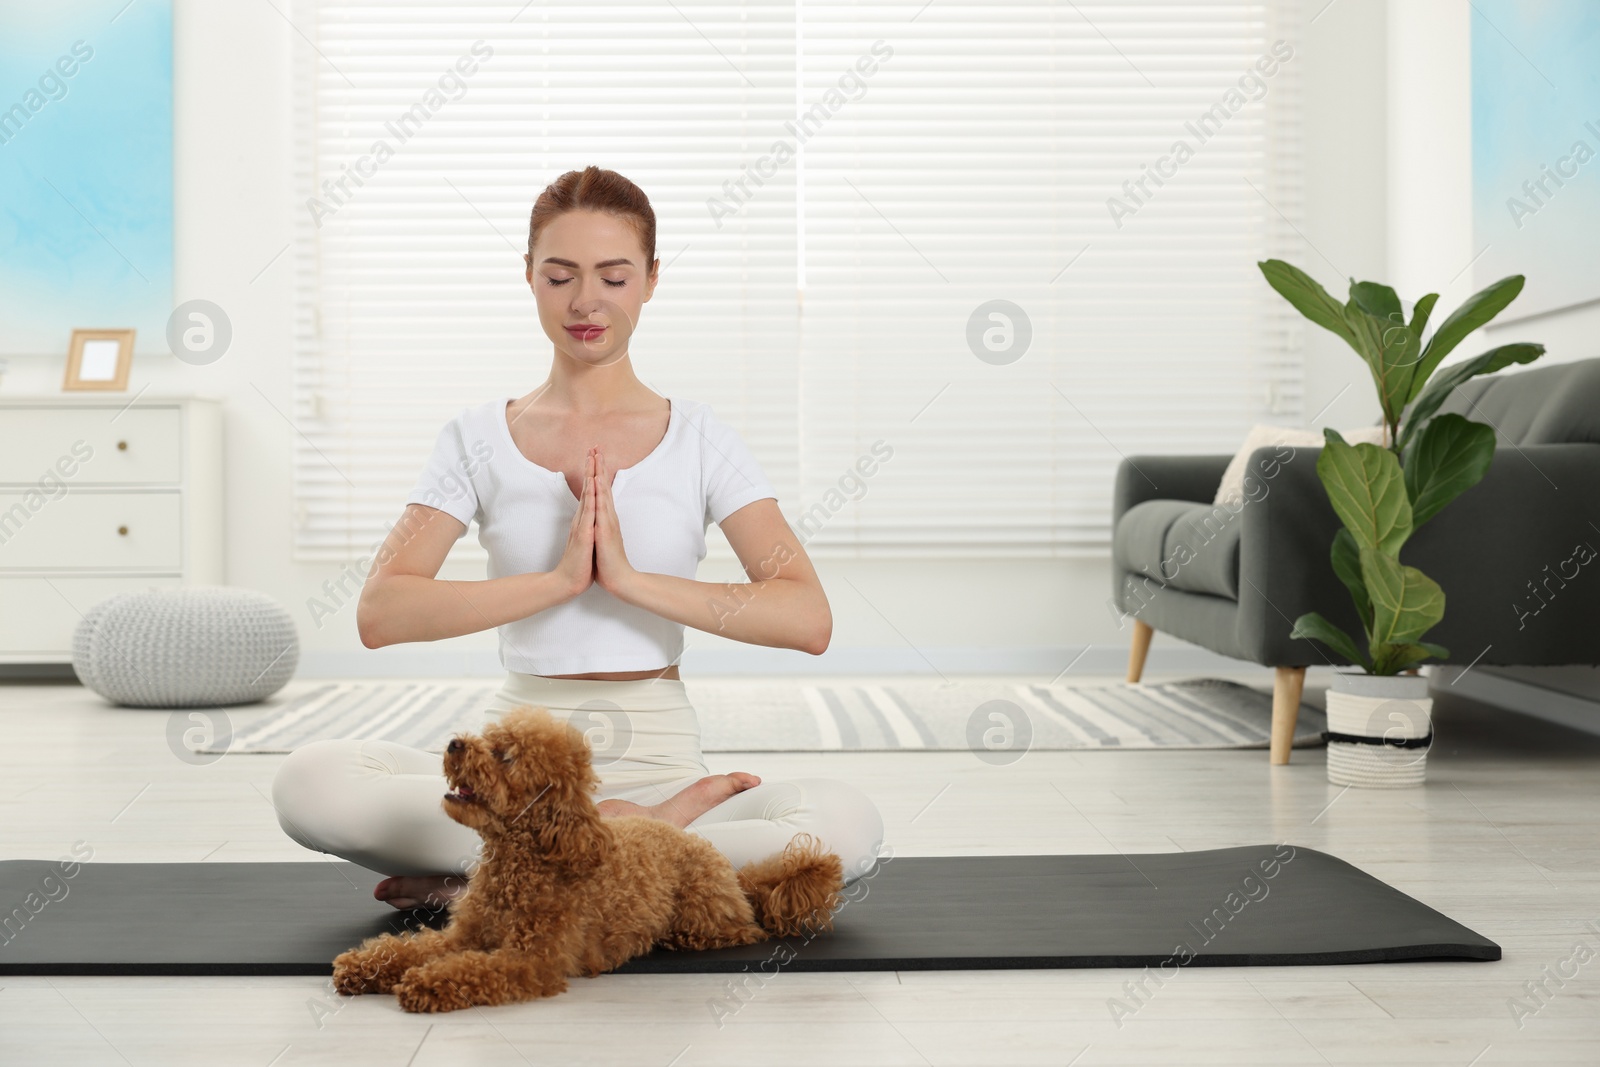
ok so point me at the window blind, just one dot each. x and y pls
(864, 211)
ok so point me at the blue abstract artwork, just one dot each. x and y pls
(85, 171)
(1536, 148)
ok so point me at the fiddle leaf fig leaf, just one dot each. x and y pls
(1476, 310)
(1390, 346)
(1397, 658)
(1405, 602)
(1367, 491)
(1421, 313)
(1452, 455)
(1314, 626)
(1436, 394)
(1376, 300)
(1307, 295)
(1347, 565)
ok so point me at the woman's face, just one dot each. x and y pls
(588, 273)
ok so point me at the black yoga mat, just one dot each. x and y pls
(1256, 905)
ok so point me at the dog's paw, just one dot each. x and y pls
(375, 965)
(420, 992)
(358, 971)
(348, 981)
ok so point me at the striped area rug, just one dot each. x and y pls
(759, 716)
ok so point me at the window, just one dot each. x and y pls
(941, 266)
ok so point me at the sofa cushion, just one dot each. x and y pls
(1232, 489)
(1189, 546)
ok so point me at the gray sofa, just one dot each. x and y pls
(1515, 554)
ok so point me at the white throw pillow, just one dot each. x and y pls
(1231, 491)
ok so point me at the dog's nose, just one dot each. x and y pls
(454, 746)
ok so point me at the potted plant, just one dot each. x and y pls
(1379, 724)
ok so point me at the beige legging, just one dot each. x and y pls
(377, 803)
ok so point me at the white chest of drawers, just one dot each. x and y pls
(98, 497)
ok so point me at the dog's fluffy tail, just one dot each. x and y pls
(797, 890)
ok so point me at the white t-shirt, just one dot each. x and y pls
(700, 473)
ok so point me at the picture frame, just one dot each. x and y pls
(99, 360)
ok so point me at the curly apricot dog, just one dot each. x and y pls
(561, 891)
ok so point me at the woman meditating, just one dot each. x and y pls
(592, 496)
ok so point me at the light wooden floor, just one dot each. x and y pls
(1505, 837)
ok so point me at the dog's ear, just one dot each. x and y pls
(571, 832)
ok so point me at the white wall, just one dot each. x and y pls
(232, 144)
(1345, 82)
(1430, 150)
(1567, 334)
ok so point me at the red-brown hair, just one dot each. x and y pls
(596, 189)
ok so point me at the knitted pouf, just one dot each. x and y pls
(192, 646)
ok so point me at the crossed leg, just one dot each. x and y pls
(377, 803)
(679, 809)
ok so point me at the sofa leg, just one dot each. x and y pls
(1138, 650)
(1286, 689)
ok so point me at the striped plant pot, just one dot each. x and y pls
(1379, 729)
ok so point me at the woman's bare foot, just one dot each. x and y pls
(686, 806)
(413, 891)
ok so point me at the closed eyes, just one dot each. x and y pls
(563, 281)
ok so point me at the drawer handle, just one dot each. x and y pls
(123, 530)
(122, 446)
